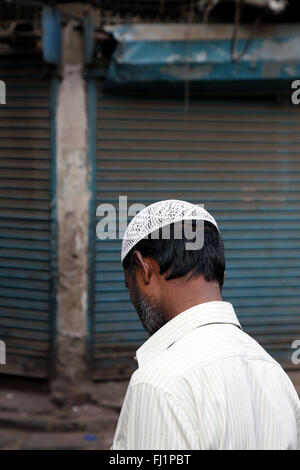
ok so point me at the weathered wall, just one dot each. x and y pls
(73, 214)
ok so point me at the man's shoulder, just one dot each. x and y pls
(160, 373)
(168, 370)
(193, 356)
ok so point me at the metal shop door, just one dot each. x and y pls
(27, 234)
(241, 159)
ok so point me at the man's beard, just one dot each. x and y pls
(150, 315)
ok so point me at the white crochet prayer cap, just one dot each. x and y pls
(158, 215)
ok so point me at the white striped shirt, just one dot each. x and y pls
(203, 383)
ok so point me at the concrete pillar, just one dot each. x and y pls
(73, 220)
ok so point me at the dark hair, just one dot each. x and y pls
(173, 257)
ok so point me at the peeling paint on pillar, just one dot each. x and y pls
(72, 198)
(73, 212)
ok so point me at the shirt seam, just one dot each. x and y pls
(251, 358)
(176, 402)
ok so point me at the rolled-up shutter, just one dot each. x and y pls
(238, 157)
(27, 248)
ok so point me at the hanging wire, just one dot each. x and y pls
(237, 20)
(211, 5)
(187, 60)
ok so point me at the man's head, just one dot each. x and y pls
(164, 277)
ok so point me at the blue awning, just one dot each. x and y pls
(203, 53)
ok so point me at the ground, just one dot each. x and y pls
(29, 419)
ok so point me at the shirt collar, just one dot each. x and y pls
(179, 326)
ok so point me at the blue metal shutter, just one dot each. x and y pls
(238, 157)
(27, 249)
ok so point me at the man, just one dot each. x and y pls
(202, 383)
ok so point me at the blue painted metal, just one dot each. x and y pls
(239, 158)
(51, 38)
(158, 60)
(28, 219)
(88, 37)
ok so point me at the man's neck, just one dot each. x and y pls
(184, 294)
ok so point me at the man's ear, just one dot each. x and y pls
(145, 266)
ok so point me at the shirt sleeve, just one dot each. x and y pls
(153, 419)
